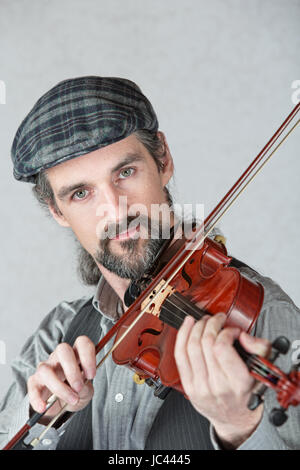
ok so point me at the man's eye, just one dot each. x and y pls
(126, 173)
(81, 194)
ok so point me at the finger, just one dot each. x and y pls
(232, 365)
(86, 352)
(195, 352)
(69, 363)
(217, 379)
(47, 377)
(212, 329)
(180, 350)
(35, 395)
(188, 353)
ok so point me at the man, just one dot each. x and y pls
(92, 148)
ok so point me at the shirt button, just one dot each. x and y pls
(46, 442)
(119, 397)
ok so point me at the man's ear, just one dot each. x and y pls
(167, 167)
(58, 216)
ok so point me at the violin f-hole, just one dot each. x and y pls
(150, 331)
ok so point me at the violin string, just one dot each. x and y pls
(257, 362)
(188, 303)
(173, 314)
(190, 306)
(271, 377)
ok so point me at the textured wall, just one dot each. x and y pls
(218, 73)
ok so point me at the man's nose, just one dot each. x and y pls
(112, 206)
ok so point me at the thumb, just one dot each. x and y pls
(254, 345)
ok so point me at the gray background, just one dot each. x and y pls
(219, 75)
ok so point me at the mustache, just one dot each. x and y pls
(150, 228)
(114, 229)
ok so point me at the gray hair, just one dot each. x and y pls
(87, 269)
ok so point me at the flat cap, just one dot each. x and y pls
(75, 117)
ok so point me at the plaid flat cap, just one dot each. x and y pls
(75, 117)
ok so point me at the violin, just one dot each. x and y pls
(197, 280)
(205, 285)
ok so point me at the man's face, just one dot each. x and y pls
(107, 197)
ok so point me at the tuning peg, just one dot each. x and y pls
(281, 345)
(278, 416)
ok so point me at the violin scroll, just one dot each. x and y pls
(287, 386)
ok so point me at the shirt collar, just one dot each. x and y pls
(106, 301)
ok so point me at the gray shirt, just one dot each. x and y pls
(123, 412)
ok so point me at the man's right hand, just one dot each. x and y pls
(63, 375)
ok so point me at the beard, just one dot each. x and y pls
(137, 254)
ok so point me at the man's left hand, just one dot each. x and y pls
(215, 378)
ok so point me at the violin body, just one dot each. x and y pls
(206, 284)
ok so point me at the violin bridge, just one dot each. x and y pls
(155, 306)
